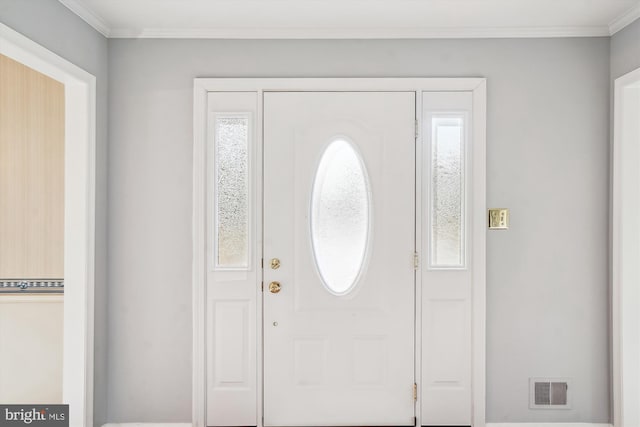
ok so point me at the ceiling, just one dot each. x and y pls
(331, 19)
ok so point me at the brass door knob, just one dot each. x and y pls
(274, 287)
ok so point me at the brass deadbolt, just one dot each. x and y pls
(275, 263)
(274, 287)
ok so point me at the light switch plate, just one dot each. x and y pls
(498, 219)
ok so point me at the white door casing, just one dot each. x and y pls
(625, 251)
(79, 213)
(244, 406)
(339, 359)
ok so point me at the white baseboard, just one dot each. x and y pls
(147, 425)
(547, 425)
(487, 425)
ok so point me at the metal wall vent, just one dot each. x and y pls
(549, 393)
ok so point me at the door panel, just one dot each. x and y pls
(233, 266)
(446, 282)
(339, 357)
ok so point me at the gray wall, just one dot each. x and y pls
(548, 160)
(625, 50)
(547, 155)
(52, 25)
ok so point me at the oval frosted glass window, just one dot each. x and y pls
(340, 216)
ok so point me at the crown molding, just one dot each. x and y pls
(361, 33)
(88, 15)
(100, 24)
(625, 19)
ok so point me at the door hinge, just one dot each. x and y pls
(261, 262)
(417, 129)
(415, 392)
(415, 421)
(261, 286)
(416, 261)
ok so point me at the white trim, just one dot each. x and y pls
(258, 174)
(419, 229)
(147, 425)
(199, 264)
(349, 84)
(88, 15)
(79, 238)
(204, 85)
(625, 19)
(360, 33)
(479, 252)
(623, 86)
(547, 425)
(94, 19)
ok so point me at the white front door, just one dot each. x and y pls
(339, 218)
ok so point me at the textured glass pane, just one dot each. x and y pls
(232, 191)
(340, 216)
(447, 192)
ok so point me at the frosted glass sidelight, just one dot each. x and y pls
(231, 191)
(340, 216)
(447, 192)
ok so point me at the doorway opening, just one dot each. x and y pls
(79, 216)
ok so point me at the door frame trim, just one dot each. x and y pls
(202, 86)
(626, 90)
(79, 214)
